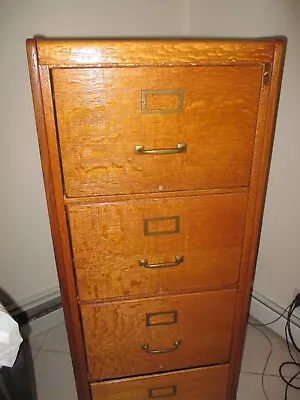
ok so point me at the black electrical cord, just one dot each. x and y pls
(289, 338)
(275, 320)
(290, 385)
(266, 363)
(290, 330)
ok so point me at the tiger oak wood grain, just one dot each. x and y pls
(43, 111)
(258, 184)
(146, 196)
(46, 58)
(70, 53)
(114, 333)
(207, 383)
(100, 122)
(108, 240)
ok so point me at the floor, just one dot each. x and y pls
(55, 381)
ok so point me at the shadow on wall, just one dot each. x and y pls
(18, 382)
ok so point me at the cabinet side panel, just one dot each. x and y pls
(261, 163)
(40, 83)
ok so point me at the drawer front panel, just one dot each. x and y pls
(140, 130)
(197, 384)
(119, 342)
(155, 246)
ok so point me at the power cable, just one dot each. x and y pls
(289, 338)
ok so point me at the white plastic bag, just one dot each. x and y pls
(10, 339)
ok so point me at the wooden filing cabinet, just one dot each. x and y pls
(155, 157)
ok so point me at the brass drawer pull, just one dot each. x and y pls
(180, 148)
(176, 344)
(143, 262)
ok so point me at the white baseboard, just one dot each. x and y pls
(265, 310)
(42, 314)
(35, 300)
(43, 323)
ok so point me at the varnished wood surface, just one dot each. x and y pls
(197, 384)
(108, 240)
(53, 187)
(43, 56)
(153, 52)
(115, 332)
(100, 122)
(261, 163)
(147, 196)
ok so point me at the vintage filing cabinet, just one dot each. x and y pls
(155, 157)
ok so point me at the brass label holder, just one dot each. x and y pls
(164, 391)
(148, 231)
(171, 318)
(176, 92)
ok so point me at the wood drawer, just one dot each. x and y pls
(109, 240)
(103, 113)
(208, 383)
(115, 333)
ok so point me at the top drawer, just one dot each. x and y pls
(103, 114)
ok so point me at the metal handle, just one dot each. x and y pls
(176, 344)
(180, 148)
(143, 262)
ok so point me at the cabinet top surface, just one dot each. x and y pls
(86, 52)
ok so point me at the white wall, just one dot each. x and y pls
(27, 263)
(278, 266)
